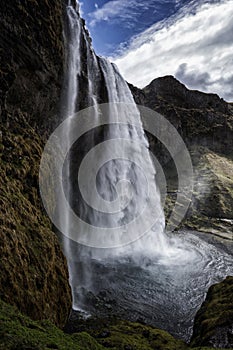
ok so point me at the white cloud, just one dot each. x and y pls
(109, 10)
(196, 46)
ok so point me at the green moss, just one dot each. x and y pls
(137, 336)
(18, 332)
(216, 312)
(33, 269)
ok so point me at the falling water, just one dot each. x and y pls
(164, 266)
(73, 61)
(116, 175)
(119, 181)
(73, 69)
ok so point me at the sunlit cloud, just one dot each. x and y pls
(196, 46)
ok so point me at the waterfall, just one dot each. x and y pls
(73, 61)
(144, 191)
(115, 175)
(99, 187)
(121, 181)
(69, 100)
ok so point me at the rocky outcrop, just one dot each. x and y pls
(213, 325)
(205, 122)
(34, 275)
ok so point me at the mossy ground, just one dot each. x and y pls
(19, 332)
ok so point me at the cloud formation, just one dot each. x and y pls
(196, 46)
(125, 11)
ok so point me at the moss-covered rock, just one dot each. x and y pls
(18, 332)
(120, 334)
(33, 269)
(213, 325)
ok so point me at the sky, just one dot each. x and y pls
(189, 39)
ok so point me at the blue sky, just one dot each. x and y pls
(190, 39)
(113, 23)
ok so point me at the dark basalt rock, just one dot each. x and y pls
(32, 60)
(176, 93)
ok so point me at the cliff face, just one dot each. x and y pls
(201, 119)
(205, 123)
(34, 275)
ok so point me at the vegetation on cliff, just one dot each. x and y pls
(213, 323)
(34, 275)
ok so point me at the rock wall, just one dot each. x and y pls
(34, 275)
(205, 123)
